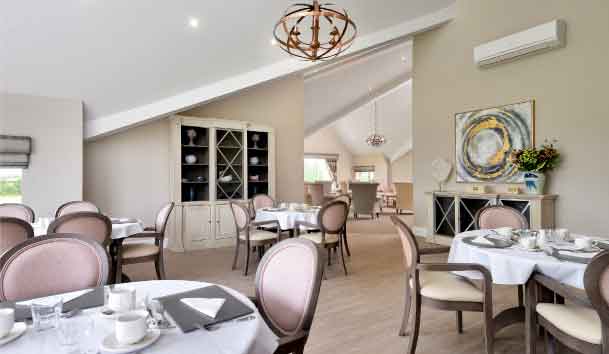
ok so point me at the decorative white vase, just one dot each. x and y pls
(190, 159)
(534, 182)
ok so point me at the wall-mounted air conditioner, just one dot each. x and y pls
(546, 36)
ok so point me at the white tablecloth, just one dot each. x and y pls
(287, 218)
(514, 266)
(122, 230)
(245, 337)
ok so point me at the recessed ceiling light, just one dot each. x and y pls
(274, 42)
(193, 22)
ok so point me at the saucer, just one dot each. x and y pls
(110, 345)
(116, 314)
(18, 329)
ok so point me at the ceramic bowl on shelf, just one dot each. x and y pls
(254, 160)
(225, 179)
(190, 159)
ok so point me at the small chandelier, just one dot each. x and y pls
(314, 32)
(374, 139)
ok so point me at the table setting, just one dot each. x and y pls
(121, 227)
(164, 316)
(287, 214)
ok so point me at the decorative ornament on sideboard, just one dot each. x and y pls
(441, 170)
(314, 31)
(534, 163)
(192, 135)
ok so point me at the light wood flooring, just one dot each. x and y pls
(360, 313)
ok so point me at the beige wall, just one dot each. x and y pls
(127, 174)
(568, 84)
(401, 169)
(279, 104)
(382, 173)
(56, 127)
(325, 141)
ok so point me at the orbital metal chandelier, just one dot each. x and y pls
(314, 32)
(375, 139)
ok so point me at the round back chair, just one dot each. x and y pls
(333, 217)
(162, 217)
(263, 201)
(17, 210)
(51, 264)
(241, 216)
(496, 216)
(410, 246)
(288, 282)
(91, 225)
(596, 283)
(13, 231)
(75, 207)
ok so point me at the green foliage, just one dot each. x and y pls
(10, 187)
(536, 160)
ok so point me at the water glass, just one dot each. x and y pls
(46, 316)
(77, 335)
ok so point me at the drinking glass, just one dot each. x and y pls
(77, 335)
(46, 316)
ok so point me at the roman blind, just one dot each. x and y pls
(15, 151)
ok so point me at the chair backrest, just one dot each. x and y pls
(241, 216)
(403, 195)
(13, 231)
(345, 197)
(17, 210)
(333, 216)
(90, 225)
(497, 216)
(288, 282)
(75, 207)
(364, 197)
(162, 217)
(262, 201)
(316, 190)
(52, 264)
(596, 283)
(410, 247)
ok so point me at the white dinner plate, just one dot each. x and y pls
(110, 345)
(18, 329)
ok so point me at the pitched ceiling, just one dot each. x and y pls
(132, 61)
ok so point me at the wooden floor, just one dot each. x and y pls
(359, 313)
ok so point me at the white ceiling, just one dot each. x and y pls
(123, 56)
(394, 121)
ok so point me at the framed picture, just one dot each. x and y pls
(485, 138)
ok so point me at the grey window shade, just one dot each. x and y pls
(363, 168)
(15, 151)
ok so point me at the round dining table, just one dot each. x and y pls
(287, 217)
(121, 228)
(233, 337)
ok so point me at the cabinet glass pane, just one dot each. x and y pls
(194, 163)
(229, 164)
(257, 163)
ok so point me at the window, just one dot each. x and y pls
(316, 169)
(10, 185)
(363, 173)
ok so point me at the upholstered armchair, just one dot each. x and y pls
(288, 304)
(331, 222)
(581, 325)
(91, 225)
(247, 233)
(70, 263)
(434, 285)
(403, 198)
(132, 252)
(364, 198)
(75, 207)
(13, 231)
(17, 210)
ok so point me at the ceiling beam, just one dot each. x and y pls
(401, 152)
(117, 122)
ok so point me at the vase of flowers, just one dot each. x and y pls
(534, 163)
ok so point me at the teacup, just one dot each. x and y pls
(121, 300)
(529, 243)
(583, 242)
(562, 235)
(130, 329)
(7, 321)
(505, 231)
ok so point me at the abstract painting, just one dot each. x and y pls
(485, 139)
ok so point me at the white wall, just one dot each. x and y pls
(55, 174)
(325, 141)
(401, 169)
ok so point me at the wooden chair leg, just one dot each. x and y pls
(531, 318)
(550, 343)
(159, 266)
(489, 327)
(414, 336)
(346, 243)
(407, 306)
(329, 256)
(247, 258)
(520, 295)
(459, 322)
(236, 255)
(118, 277)
(342, 255)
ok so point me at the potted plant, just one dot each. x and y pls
(534, 163)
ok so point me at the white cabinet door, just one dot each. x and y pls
(225, 223)
(197, 223)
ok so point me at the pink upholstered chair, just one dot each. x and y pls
(583, 324)
(288, 282)
(130, 253)
(17, 210)
(52, 264)
(345, 197)
(13, 231)
(496, 216)
(331, 222)
(263, 201)
(93, 226)
(247, 233)
(75, 207)
(434, 285)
